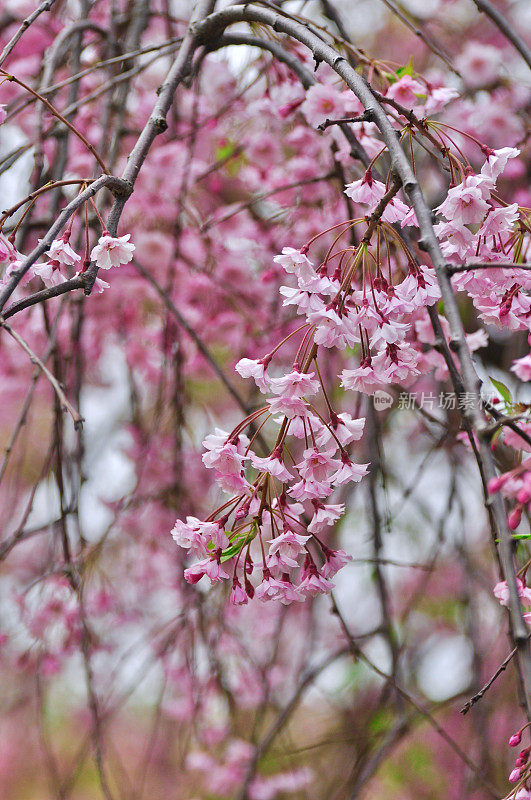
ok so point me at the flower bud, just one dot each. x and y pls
(514, 518)
(495, 484)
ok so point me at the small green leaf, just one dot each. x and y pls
(502, 389)
(407, 69)
(238, 545)
(224, 150)
(231, 551)
(391, 77)
(497, 434)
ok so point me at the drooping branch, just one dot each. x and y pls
(508, 31)
(45, 6)
(116, 185)
(322, 52)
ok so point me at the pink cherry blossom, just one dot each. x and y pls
(314, 583)
(334, 561)
(210, 567)
(501, 591)
(323, 102)
(61, 251)
(188, 536)
(275, 589)
(325, 515)
(405, 91)
(497, 161)
(288, 406)
(438, 98)
(479, 63)
(254, 368)
(285, 549)
(361, 379)
(348, 471)
(50, 273)
(295, 384)
(464, 204)
(273, 465)
(366, 190)
(305, 301)
(331, 329)
(223, 454)
(238, 595)
(295, 262)
(522, 368)
(317, 465)
(111, 251)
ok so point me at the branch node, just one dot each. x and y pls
(160, 123)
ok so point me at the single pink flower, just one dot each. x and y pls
(366, 190)
(238, 595)
(111, 251)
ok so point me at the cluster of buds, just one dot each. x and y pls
(520, 773)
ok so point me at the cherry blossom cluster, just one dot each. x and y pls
(521, 772)
(501, 592)
(516, 483)
(273, 508)
(478, 228)
(348, 304)
(353, 311)
(110, 251)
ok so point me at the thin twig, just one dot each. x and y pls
(46, 6)
(78, 419)
(477, 697)
(59, 116)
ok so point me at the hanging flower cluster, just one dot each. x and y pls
(110, 252)
(355, 303)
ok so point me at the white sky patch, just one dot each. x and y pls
(446, 667)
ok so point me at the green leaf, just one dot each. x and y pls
(233, 550)
(407, 69)
(237, 546)
(224, 151)
(502, 389)
(496, 435)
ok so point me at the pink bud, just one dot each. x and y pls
(514, 518)
(495, 484)
(515, 775)
(515, 739)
